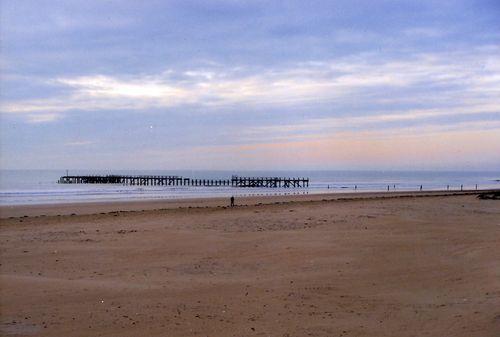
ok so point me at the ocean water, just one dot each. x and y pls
(19, 187)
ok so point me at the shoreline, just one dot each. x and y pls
(95, 207)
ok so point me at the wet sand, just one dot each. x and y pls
(90, 207)
(406, 264)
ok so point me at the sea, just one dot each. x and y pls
(24, 187)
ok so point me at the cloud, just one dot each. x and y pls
(365, 129)
(80, 143)
(42, 117)
(388, 149)
(472, 76)
(313, 75)
(315, 125)
(425, 32)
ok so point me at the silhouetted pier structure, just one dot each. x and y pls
(125, 180)
(143, 180)
(271, 182)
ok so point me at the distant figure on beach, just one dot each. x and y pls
(421, 187)
(232, 201)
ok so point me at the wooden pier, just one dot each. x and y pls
(125, 180)
(143, 180)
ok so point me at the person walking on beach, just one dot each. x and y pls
(232, 201)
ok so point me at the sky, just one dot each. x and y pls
(250, 85)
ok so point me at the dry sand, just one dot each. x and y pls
(372, 266)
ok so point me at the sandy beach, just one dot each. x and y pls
(373, 264)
